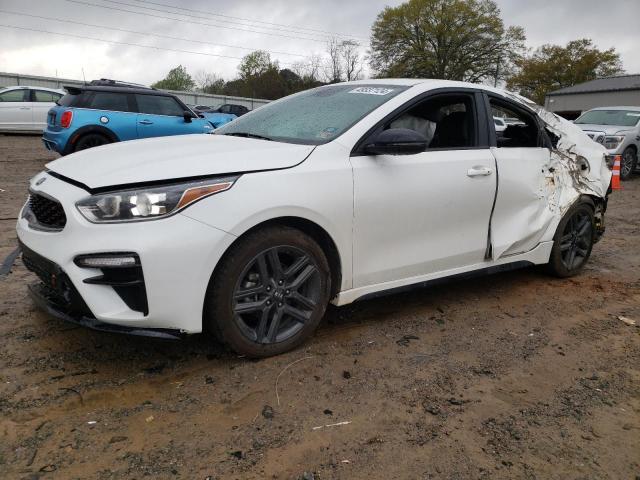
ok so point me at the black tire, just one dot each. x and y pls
(573, 241)
(90, 140)
(260, 309)
(628, 163)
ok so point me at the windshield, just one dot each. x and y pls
(623, 118)
(312, 117)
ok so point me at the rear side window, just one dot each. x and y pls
(109, 101)
(14, 96)
(522, 129)
(44, 96)
(159, 105)
(67, 100)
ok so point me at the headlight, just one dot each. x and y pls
(149, 203)
(611, 142)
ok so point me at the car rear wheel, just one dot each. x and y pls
(269, 292)
(90, 140)
(573, 241)
(629, 163)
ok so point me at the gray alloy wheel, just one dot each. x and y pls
(628, 163)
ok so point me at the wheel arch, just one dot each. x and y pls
(89, 129)
(310, 228)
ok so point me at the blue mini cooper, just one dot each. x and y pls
(105, 111)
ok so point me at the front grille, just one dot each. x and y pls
(48, 212)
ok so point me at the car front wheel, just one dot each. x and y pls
(573, 241)
(269, 292)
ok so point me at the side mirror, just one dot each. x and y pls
(397, 141)
(187, 115)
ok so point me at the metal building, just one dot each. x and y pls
(618, 91)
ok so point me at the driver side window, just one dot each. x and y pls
(447, 121)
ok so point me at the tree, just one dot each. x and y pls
(209, 82)
(448, 39)
(176, 79)
(351, 60)
(552, 67)
(309, 69)
(333, 67)
(255, 64)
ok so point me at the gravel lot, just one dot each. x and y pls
(517, 375)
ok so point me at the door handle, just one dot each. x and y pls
(479, 172)
(25, 108)
(145, 122)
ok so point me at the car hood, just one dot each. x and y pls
(607, 129)
(171, 158)
(218, 119)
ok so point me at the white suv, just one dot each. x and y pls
(330, 195)
(618, 129)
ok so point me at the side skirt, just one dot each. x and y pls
(537, 256)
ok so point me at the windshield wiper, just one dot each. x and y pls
(248, 135)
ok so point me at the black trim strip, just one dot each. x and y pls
(460, 276)
(93, 324)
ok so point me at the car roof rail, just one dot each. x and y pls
(107, 82)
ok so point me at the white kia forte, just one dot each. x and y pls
(331, 195)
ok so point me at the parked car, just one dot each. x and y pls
(202, 108)
(215, 118)
(106, 111)
(229, 108)
(499, 124)
(618, 129)
(237, 110)
(318, 197)
(24, 109)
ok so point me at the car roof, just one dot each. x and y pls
(75, 89)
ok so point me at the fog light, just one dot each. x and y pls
(114, 260)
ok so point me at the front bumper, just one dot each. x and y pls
(177, 255)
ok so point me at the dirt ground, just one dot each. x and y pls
(517, 375)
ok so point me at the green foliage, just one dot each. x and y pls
(176, 79)
(448, 39)
(255, 64)
(552, 67)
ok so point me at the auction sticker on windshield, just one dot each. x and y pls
(372, 90)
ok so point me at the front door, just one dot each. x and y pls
(160, 116)
(427, 212)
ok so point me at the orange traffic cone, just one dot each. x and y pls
(615, 180)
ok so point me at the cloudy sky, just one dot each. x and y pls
(212, 34)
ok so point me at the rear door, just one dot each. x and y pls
(15, 110)
(161, 115)
(523, 202)
(41, 102)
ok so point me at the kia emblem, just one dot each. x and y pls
(41, 181)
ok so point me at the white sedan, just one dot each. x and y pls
(331, 195)
(24, 109)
